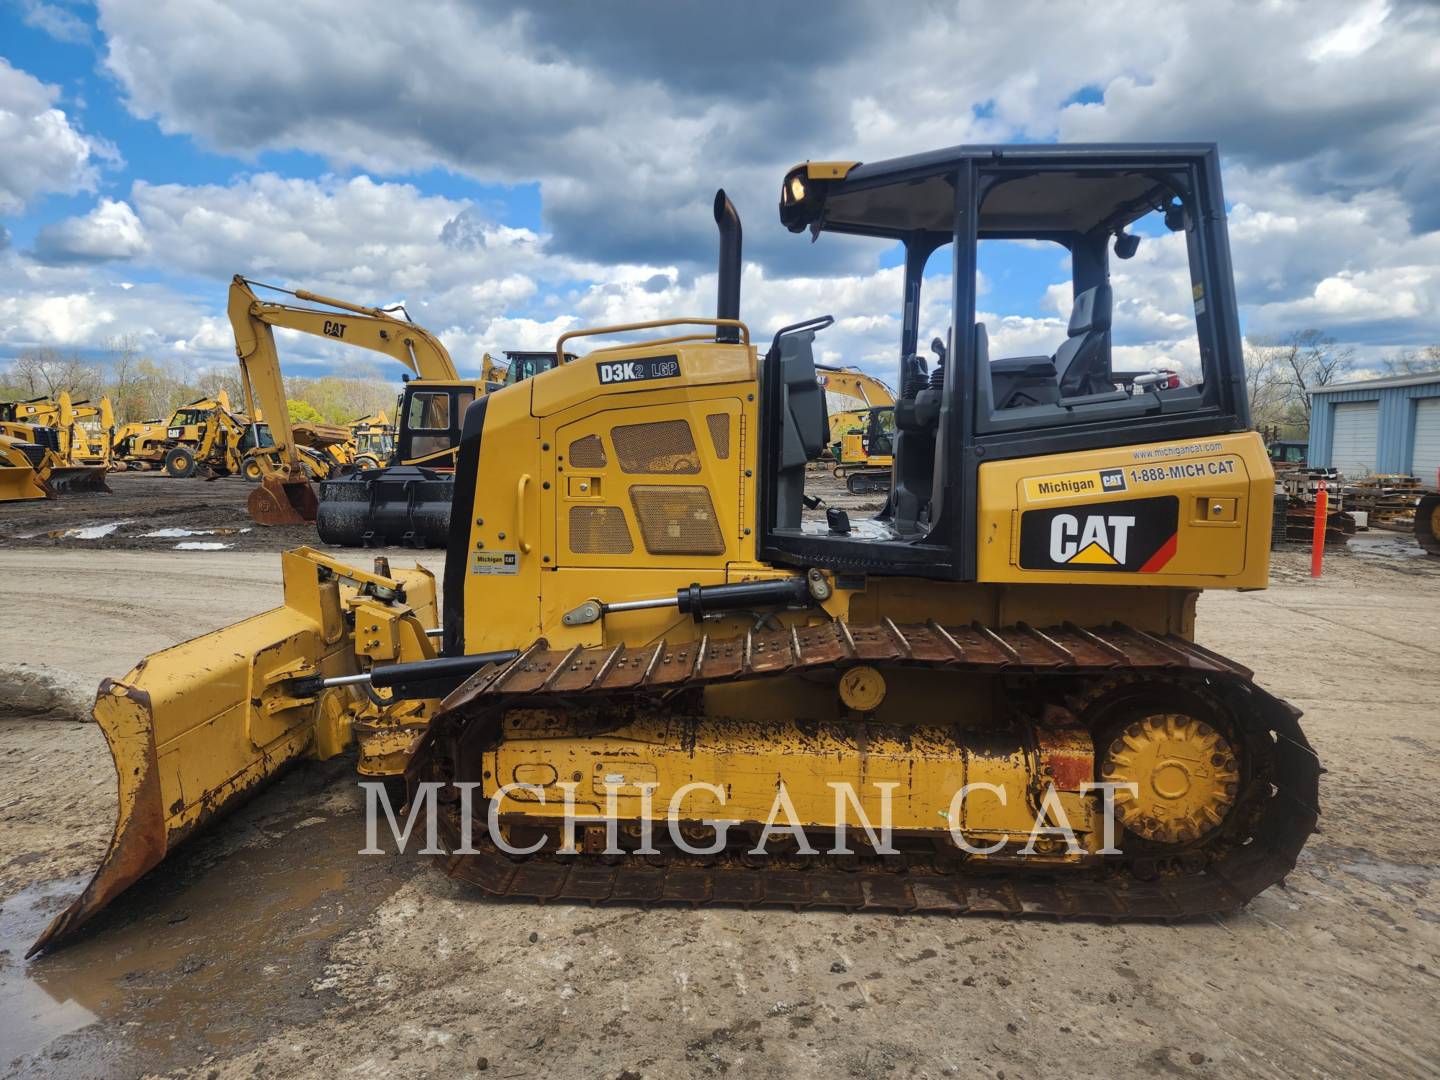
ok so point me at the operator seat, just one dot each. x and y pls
(1082, 363)
(1080, 366)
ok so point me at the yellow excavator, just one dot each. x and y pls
(412, 493)
(853, 384)
(861, 439)
(46, 452)
(85, 430)
(407, 501)
(649, 676)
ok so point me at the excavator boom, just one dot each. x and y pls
(285, 495)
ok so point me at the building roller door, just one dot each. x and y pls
(1426, 458)
(1352, 446)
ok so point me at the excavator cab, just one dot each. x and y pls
(975, 410)
(430, 418)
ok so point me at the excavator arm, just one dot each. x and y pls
(285, 495)
(852, 383)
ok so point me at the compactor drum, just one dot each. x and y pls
(654, 673)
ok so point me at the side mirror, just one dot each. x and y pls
(1126, 244)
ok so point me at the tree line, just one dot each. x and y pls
(1278, 371)
(141, 387)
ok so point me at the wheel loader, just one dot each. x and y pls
(1427, 523)
(644, 655)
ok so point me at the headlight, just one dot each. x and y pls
(797, 188)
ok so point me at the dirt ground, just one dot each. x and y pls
(269, 948)
(147, 511)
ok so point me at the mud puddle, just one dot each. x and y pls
(211, 953)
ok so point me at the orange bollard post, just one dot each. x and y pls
(1317, 539)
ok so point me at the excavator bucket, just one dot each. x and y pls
(200, 726)
(72, 478)
(283, 502)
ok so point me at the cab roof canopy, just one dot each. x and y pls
(1038, 190)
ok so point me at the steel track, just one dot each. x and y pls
(1256, 848)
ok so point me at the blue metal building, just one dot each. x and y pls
(1387, 425)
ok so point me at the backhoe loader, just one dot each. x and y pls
(374, 440)
(147, 444)
(651, 678)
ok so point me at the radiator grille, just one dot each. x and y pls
(719, 424)
(663, 446)
(599, 530)
(588, 453)
(677, 520)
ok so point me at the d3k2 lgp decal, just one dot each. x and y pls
(652, 367)
(1132, 535)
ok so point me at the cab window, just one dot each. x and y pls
(430, 411)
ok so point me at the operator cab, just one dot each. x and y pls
(1108, 379)
(430, 417)
(526, 365)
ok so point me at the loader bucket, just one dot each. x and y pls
(66, 479)
(283, 502)
(197, 727)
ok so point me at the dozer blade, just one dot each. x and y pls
(197, 727)
(283, 502)
(71, 478)
(17, 484)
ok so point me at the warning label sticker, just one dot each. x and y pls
(495, 562)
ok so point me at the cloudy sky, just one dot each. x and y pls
(510, 171)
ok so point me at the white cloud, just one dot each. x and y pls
(54, 20)
(1329, 117)
(110, 231)
(41, 149)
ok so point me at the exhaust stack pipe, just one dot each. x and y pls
(727, 301)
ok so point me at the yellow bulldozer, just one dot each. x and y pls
(648, 676)
(22, 466)
(65, 443)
